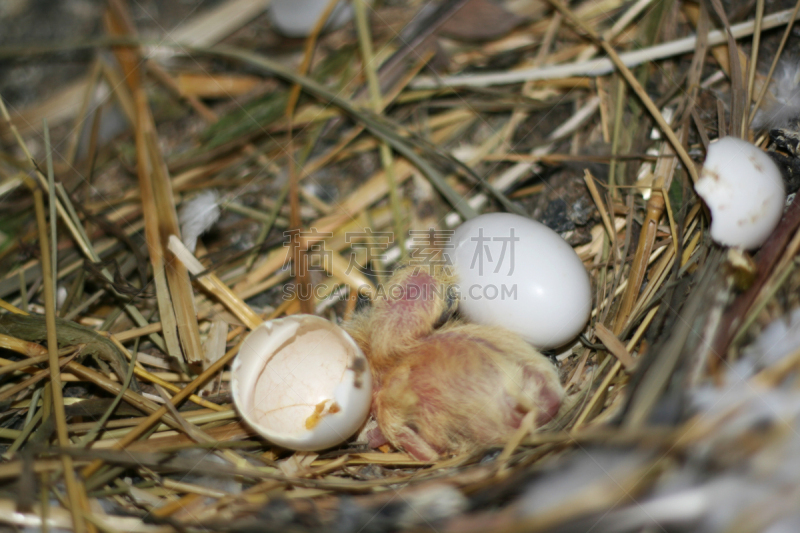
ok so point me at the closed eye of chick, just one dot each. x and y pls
(441, 385)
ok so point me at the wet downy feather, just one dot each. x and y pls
(197, 216)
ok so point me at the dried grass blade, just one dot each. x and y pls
(673, 228)
(376, 125)
(738, 102)
(30, 425)
(84, 246)
(214, 285)
(603, 388)
(615, 346)
(92, 433)
(26, 348)
(167, 81)
(91, 88)
(197, 434)
(600, 66)
(368, 193)
(11, 308)
(145, 425)
(655, 208)
(662, 369)
(27, 363)
(73, 491)
(269, 222)
(173, 289)
(51, 194)
(303, 278)
(323, 159)
(751, 79)
(144, 374)
(368, 65)
(177, 275)
(698, 60)
(33, 380)
(634, 84)
(601, 206)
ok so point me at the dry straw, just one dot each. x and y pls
(595, 117)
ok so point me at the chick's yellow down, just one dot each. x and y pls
(441, 385)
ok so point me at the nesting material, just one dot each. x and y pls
(663, 421)
(302, 383)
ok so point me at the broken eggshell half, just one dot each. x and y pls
(302, 383)
(744, 191)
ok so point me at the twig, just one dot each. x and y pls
(602, 66)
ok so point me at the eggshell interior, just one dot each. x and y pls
(302, 383)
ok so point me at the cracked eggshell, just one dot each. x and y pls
(744, 190)
(517, 273)
(302, 383)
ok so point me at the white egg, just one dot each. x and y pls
(744, 190)
(518, 273)
(296, 18)
(302, 383)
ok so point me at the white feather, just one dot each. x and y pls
(431, 503)
(197, 216)
(777, 340)
(782, 102)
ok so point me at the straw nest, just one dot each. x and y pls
(594, 118)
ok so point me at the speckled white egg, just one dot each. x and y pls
(518, 273)
(744, 190)
(302, 383)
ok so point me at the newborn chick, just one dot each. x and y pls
(443, 386)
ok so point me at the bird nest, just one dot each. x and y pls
(180, 174)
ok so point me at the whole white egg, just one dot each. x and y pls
(517, 273)
(297, 18)
(302, 383)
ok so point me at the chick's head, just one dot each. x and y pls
(415, 301)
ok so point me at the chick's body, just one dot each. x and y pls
(444, 386)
